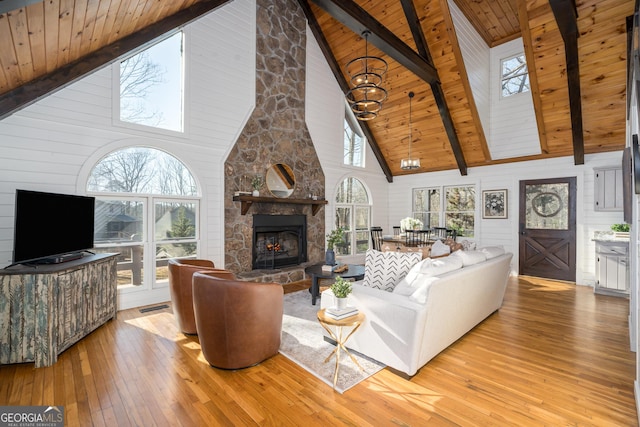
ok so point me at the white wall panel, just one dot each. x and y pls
(476, 55)
(514, 131)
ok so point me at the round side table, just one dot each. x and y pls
(339, 324)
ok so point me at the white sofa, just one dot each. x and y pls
(404, 333)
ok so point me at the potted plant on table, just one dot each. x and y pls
(341, 289)
(256, 183)
(336, 236)
(620, 230)
(410, 223)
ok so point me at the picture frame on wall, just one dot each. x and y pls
(494, 204)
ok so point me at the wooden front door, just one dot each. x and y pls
(548, 228)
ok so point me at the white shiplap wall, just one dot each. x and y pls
(505, 231)
(509, 124)
(476, 55)
(514, 131)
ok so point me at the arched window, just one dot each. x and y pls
(146, 210)
(353, 213)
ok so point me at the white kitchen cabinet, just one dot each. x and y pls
(612, 267)
(608, 192)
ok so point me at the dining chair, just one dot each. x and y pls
(396, 231)
(417, 238)
(376, 238)
(439, 233)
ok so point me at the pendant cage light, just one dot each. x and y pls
(410, 163)
(365, 76)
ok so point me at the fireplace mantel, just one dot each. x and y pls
(246, 201)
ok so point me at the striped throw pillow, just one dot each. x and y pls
(383, 270)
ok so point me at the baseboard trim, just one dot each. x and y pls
(637, 396)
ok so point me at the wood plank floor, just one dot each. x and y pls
(554, 355)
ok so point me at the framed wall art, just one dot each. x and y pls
(494, 204)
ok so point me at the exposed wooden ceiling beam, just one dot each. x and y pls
(342, 82)
(566, 17)
(357, 20)
(436, 87)
(9, 5)
(527, 42)
(32, 91)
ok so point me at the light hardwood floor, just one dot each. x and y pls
(554, 355)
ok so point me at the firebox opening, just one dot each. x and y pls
(279, 241)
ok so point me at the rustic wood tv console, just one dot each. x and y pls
(45, 309)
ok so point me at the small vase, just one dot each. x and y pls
(255, 193)
(330, 257)
(341, 303)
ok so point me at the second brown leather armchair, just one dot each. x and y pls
(239, 323)
(180, 285)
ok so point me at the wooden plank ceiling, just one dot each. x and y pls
(46, 45)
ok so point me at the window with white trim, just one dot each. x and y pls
(353, 214)
(354, 141)
(515, 76)
(449, 206)
(147, 211)
(152, 86)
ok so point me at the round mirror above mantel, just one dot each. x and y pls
(280, 180)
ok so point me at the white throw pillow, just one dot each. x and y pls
(404, 286)
(383, 270)
(470, 257)
(492, 251)
(438, 249)
(440, 266)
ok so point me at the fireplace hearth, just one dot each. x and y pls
(279, 241)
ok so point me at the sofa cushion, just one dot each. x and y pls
(416, 288)
(470, 257)
(440, 266)
(492, 251)
(421, 291)
(383, 270)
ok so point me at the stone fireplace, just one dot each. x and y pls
(275, 133)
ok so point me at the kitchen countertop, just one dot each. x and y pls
(609, 236)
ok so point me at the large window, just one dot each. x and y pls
(451, 207)
(146, 210)
(353, 213)
(354, 142)
(151, 86)
(515, 76)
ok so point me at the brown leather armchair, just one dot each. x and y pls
(180, 284)
(239, 323)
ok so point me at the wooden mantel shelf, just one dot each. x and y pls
(247, 201)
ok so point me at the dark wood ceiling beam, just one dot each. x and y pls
(566, 17)
(528, 43)
(357, 20)
(436, 87)
(342, 82)
(32, 91)
(9, 5)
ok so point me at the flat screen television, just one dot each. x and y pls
(49, 225)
